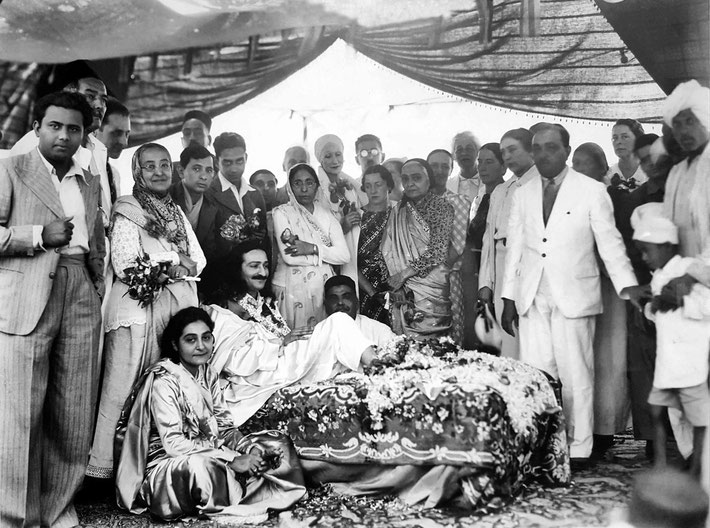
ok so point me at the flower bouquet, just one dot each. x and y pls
(238, 229)
(337, 191)
(145, 279)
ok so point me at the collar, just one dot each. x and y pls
(524, 174)
(473, 178)
(559, 178)
(74, 169)
(227, 185)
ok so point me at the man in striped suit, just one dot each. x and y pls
(51, 283)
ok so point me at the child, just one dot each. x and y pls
(683, 333)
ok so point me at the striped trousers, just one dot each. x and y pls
(48, 384)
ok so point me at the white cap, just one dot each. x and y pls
(650, 225)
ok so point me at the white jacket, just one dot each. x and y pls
(581, 220)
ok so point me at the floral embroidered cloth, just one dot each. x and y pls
(431, 403)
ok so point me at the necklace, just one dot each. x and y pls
(271, 321)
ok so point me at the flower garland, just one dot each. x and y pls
(405, 365)
(261, 312)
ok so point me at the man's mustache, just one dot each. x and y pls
(259, 277)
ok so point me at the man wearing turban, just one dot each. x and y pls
(687, 198)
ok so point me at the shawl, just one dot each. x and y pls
(163, 218)
(308, 218)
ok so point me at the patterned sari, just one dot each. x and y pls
(417, 236)
(371, 264)
(174, 442)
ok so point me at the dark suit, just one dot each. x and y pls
(49, 334)
(227, 206)
(205, 229)
(212, 284)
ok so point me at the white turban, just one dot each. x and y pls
(688, 95)
(650, 225)
(324, 141)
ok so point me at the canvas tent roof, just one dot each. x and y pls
(164, 57)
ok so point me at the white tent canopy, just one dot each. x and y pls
(345, 93)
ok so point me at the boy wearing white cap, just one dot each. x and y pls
(683, 333)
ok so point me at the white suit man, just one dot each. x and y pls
(558, 222)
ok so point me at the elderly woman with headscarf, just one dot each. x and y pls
(339, 193)
(146, 226)
(310, 242)
(415, 248)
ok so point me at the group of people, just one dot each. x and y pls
(150, 323)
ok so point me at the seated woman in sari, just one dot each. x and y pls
(377, 183)
(415, 248)
(310, 243)
(180, 453)
(256, 353)
(145, 225)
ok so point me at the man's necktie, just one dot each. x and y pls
(549, 193)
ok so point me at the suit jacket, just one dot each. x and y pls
(227, 206)
(28, 198)
(205, 230)
(581, 221)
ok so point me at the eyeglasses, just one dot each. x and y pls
(151, 167)
(308, 184)
(374, 151)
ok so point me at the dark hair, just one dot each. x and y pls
(114, 106)
(439, 151)
(175, 327)
(564, 135)
(228, 140)
(424, 163)
(338, 280)
(226, 271)
(368, 137)
(67, 76)
(522, 136)
(193, 151)
(644, 141)
(385, 174)
(494, 148)
(68, 100)
(257, 172)
(595, 152)
(303, 166)
(200, 116)
(635, 127)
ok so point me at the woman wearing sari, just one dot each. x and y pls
(145, 225)
(338, 192)
(180, 453)
(377, 183)
(415, 249)
(310, 243)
